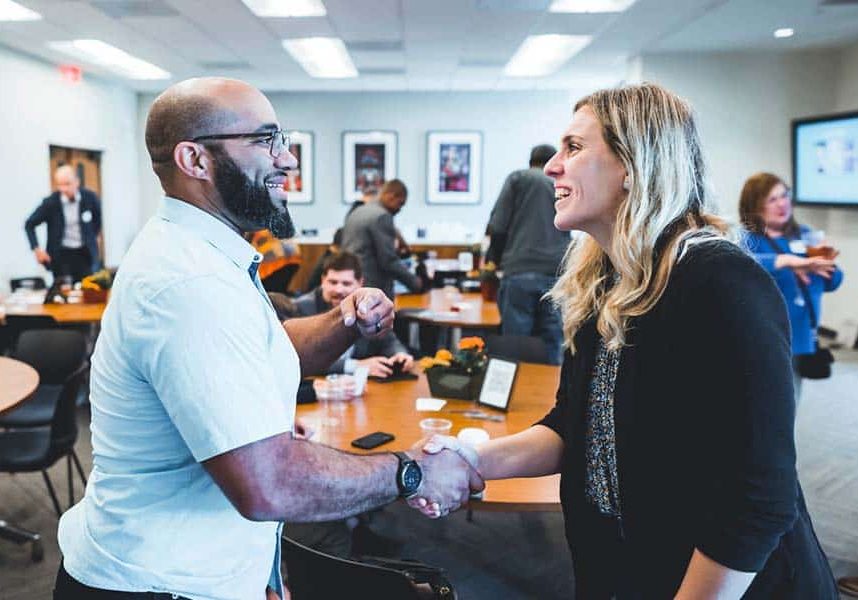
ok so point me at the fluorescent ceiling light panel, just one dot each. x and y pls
(541, 55)
(12, 11)
(100, 53)
(784, 32)
(322, 57)
(589, 6)
(286, 8)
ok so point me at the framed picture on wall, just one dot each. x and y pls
(454, 167)
(299, 182)
(369, 159)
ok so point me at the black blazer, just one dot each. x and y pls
(704, 414)
(50, 211)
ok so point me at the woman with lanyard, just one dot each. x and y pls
(673, 428)
(802, 267)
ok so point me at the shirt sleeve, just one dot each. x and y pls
(751, 501)
(384, 236)
(205, 352)
(504, 207)
(834, 282)
(557, 419)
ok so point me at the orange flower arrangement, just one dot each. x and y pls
(470, 357)
(472, 343)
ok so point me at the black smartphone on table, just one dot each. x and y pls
(373, 440)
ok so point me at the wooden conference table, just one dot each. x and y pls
(390, 407)
(61, 313)
(450, 310)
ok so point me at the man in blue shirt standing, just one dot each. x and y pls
(197, 456)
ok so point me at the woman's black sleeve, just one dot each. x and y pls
(750, 466)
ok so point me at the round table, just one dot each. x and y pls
(390, 407)
(18, 382)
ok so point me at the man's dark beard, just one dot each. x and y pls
(249, 202)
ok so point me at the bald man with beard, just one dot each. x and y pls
(197, 455)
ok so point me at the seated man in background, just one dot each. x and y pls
(341, 275)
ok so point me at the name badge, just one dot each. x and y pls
(86, 217)
(797, 247)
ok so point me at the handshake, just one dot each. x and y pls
(450, 475)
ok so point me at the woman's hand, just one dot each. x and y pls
(804, 267)
(434, 445)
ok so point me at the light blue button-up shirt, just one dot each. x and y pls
(191, 363)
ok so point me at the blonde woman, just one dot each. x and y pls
(673, 428)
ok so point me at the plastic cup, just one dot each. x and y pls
(433, 426)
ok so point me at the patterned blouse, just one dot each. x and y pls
(602, 482)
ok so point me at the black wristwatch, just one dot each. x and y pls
(409, 475)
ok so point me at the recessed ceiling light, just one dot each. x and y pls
(541, 55)
(322, 57)
(103, 54)
(286, 8)
(784, 32)
(12, 11)
(589, 6)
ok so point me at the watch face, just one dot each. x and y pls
(411, 477)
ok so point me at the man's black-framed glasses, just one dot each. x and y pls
(278, 140)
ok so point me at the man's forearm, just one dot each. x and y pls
(320, 340)
(318, 483)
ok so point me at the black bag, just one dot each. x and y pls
(420, 574)
(818, 364)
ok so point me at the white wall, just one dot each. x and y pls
(744, 103)
(38, 109)
(511, 123)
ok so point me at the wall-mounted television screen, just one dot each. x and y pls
(825, 160)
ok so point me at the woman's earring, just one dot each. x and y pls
(627, 185)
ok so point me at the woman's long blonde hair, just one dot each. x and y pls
(652, 132)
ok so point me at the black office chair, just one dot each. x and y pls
(313, 575)
(44, 428)
(520, 348)
(56, 354)
(32, 449)
(16, 324)
(30, 283)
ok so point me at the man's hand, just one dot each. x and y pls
(434, 445)
(302, 431)
(379, 366)
(42, 257)
(448, 481)
(370, 310)
(406, 359)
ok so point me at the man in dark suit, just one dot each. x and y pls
(369, 233)
(341, 275)
(73, 218)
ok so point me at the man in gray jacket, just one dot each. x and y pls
(369, 233)
(530, 249)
